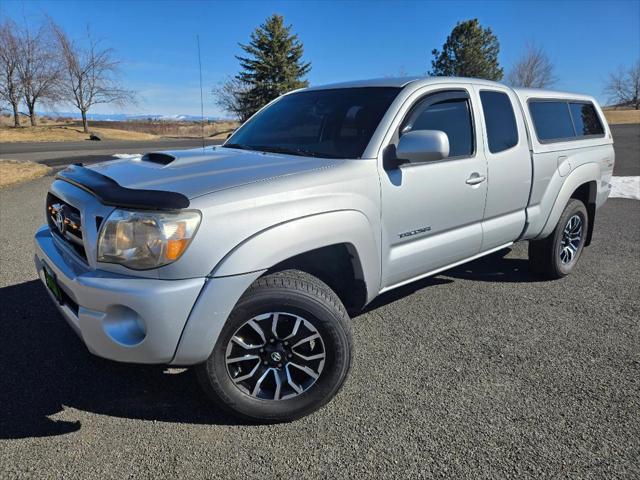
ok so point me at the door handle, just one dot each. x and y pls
(475, 179)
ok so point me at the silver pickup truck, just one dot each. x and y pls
(245, 260)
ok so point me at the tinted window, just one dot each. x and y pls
(585, 119)
(335, 123)
(453, 117)
(502, 131)
(551, 120)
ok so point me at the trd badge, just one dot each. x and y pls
(411, 233)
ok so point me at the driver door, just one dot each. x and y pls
(432, 212)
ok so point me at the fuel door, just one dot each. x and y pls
(564, 165)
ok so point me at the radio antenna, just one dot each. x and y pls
(201, 98)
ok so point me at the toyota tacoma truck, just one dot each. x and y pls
(245, 260)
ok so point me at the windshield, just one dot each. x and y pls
(336, 123)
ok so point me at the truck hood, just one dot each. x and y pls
(197, 172)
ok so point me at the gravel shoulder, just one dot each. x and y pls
(481, 372)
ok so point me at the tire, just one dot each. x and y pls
(298, 299)
(557, 255)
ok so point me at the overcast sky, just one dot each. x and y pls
(342, 40)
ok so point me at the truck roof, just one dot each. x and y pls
(526, 93)
(400, 82)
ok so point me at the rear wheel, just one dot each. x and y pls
(284, 352)
(557, 255)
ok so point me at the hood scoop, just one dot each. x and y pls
(158, 157)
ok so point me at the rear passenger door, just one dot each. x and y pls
(509, 168)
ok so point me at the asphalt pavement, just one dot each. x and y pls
(484, 371)
(626, 140)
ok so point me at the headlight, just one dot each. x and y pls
(143, 240)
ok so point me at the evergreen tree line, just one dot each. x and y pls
(272, 64)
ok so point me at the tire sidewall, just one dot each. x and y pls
(336, 342)
(575, 207)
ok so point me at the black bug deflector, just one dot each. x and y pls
(109, 192)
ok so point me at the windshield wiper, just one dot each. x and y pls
(238, 146)
(290, 151)
(276, 149)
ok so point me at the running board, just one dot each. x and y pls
(442, 269)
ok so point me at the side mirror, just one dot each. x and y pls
(420, 146)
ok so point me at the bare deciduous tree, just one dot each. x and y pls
(90, 74)
(623, 87)
(10, 90)
(533, 70)
(229, 96)
(38, 69)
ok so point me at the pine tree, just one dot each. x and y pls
(273, 65)
(470, 51)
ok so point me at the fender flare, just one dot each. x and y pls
(282, 241)
(588, 172)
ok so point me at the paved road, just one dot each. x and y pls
(59, 153)
(627, 145)
(56, 154)
(481, 372)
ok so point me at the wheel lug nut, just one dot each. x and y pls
(265, 362)
(262, 350)
(272, 340)
(286, 343)
(289, 356)
(279, 365)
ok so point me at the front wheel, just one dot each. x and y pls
(284, 352)
(557, 255)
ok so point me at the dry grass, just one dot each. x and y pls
(12, 172)
(63, 130)
(7, 121)
(65, 133)
(617, 117)
(219, 129)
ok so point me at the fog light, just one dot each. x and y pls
(124, 326)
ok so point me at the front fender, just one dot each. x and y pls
(588, 172)
(285, 240)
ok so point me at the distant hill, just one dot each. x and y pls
(123, 117)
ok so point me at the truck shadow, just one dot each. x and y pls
(495, 268)
(46, 368)
(492, 268)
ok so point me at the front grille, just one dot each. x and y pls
(65, 222)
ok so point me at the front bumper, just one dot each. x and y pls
(123, 318)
